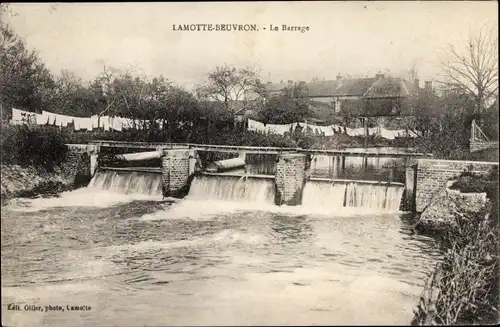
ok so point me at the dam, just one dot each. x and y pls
(374, 178)
(417, 177)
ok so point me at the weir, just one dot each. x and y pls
(128, 182)
(289, 174)
(232, 188)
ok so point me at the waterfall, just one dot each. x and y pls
(324, 195)
(352, 194)
(230, 188)
(128, 182)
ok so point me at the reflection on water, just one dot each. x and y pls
(358, 168)
(159, 263)
(338, 167)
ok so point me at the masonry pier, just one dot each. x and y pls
(290, 177)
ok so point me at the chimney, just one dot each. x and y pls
(428, 86)
(339, 78)
(417, 83)
(302, 83)
(290, 83)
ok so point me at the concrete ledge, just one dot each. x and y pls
(139, 169)
(239, 175)
(328, 180)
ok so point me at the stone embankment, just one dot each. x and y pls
(17, 181)
(446, 206)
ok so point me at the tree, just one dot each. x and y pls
(24, 81)
(292, 105)
(473, 70)
(118, 92)
(229, 86)
(70, 97)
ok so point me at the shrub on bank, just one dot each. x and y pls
(26, 147)
(474, 183)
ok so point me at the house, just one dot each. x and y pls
(373, 96)
(275, 89)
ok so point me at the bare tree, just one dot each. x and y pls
(229, 86)
(473, 70)
(412, 73)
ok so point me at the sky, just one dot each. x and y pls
(355, 38)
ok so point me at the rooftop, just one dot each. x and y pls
(371, 87)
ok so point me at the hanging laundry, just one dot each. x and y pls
(387, 134)
(104, 123)
(17, 115)
(373, 131)
(23, 117)
(95, 121)
(62, 121)
(51, 117)
(326, 130)
(40, 119)
(86, 123)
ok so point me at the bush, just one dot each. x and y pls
(25, 147)
(473, 183)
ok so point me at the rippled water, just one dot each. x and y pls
(142, 262)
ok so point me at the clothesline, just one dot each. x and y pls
(80, 123)
(281, 129)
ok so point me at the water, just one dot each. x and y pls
(128, 182)
(236, 260)
(355, 195)
(358, 168)
(258, 191)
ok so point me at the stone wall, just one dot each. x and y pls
(91, 150)
(447, 205)
(75, 169)
(73, 172)
(290, 177)
(481, 145)
(432, 176)
(176, 172)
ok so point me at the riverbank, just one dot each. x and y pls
(30, 181)
(37, 162)
(464, 286)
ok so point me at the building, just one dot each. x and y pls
(378, 95)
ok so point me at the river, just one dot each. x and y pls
(138, 260)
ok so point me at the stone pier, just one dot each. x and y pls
(177, 165)
(410, 185)
(290, 178)
(93, 151)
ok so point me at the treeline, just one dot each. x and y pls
(228, 92)
(202, 115)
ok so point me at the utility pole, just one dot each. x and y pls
(365, 125)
